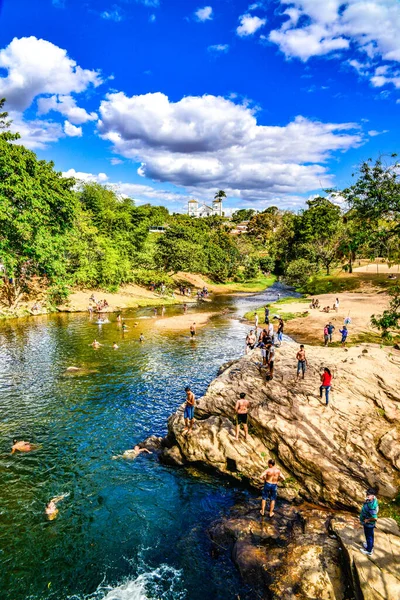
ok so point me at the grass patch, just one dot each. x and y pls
(390, 509)
(274, 309)
(258, 284)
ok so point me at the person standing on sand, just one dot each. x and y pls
(193, 330)
(189, 410)
(326, 335)
(242, 409)
(368, 518)
(271, 478)
(344, 333)
(336, 305)
(302, 363)
(326, 379)
(331, 329)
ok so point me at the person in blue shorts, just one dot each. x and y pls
(189, 410)
(270, 491)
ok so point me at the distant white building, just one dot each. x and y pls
(194, 210)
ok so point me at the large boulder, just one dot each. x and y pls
(330, 453)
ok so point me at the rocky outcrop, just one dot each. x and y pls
(330, 454)
(309, 553)
(376, 577)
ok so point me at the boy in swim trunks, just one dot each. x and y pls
(21, 446)
(270, 477)
(242, 409)
(193, 330)
(189, 410)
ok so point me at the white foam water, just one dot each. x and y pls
(162, 583)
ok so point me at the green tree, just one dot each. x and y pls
(390, 318)
(243, 214)
(220, 195)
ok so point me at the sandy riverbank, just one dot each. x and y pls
(183, 322)
(359, 306)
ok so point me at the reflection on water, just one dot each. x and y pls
(128, 529)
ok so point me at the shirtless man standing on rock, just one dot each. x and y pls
(242, 409)
(270, 477)
(189, 411)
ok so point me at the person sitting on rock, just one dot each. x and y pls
(368, 518)
(242, 409)
(271, 477)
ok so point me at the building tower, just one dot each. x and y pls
(193, 208)
(217, 207)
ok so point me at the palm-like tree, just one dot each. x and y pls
(219, 195)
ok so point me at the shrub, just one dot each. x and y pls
(299, 271)
(57, 294)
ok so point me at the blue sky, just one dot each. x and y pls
(272, 101)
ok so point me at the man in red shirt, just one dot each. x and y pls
(326, 379)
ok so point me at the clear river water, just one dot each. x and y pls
(128, 530)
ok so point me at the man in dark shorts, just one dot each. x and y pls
(242, 409)
(193, 330)
(270, 491)
(189, 410)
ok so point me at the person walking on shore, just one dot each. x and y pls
(256, 321)
(326, 379)
(368, 518)
(193, 330)
(242, 409)
(336, 305)
(271, 477)
(189, 410)
(301, 362)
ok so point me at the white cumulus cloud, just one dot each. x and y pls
(35, 67)
(82, 176)
(35, 134)
(66, 105)
(209, 141)
(71, 130)
(204, 14)
(369, 28)
(249, 25)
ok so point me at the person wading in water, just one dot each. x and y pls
(270, 477)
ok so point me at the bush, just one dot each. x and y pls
(57, 294)
(146, 277)
(251, 269)
(299, 271)
(267, 264)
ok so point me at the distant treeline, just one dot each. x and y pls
(85, 234)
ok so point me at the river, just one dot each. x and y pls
(128, 530)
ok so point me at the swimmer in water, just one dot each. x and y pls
(115, 346)
(21, 446)
(96, 344)
(51, 509)
(124, 326)
(133, 453)
(141, 338)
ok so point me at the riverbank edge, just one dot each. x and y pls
(124, 299)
